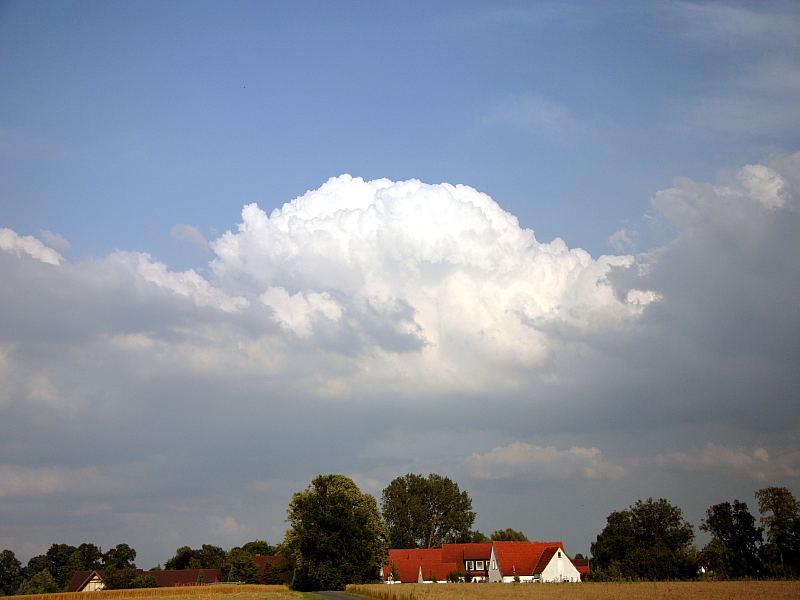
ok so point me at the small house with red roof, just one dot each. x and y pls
(531, 562)
(493, 561)
(86, 581)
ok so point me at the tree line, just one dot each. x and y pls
(52, 571)
(651, 540)
(338, 535)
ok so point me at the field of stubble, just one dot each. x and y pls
(712, 590)
(201, 592)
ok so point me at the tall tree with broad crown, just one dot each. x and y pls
(735, 540)
(424, 512)
(337, 535)
(781, 516)
(10, 573)
(650, 540)
(119, 557)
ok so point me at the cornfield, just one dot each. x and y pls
(701, 590)
(197, 592)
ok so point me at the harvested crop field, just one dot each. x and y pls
(194, 592)
(716, 590)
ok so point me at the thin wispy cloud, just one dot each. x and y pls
(521, 460)
(190, 234)
(723, 22)
(759, 97)
(533, 113)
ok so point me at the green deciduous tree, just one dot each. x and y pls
(120, 578)
(62, 561)
(781, 516)
(205, 557)
(509, 535)
(259, 547)
(336, 537)
(182, 559)
(91, 557)
(278, 572)
(119, 557)
(41, 582)
(650, 540)
(733, 550)
(423, 512)
(477, 537)
(10, 573)
(143, 581)
(210, 557)
(239, 566)
(37, 564)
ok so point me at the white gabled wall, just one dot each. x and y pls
(494, 569)
(560, 568)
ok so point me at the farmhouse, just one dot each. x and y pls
(86, 581)
(495, 561)
(531, 562)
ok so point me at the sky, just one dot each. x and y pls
(549, 250)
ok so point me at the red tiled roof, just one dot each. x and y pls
(416, 554)
(407, 570)
(582, 564)
(408, 561)
(458, 553)
(438, 569)
(521, 558)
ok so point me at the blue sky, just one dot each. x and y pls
(123, 119)
(132, 134)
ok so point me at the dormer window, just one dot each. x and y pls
(479, 565)
(470, 565)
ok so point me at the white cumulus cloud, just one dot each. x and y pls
(187, 283)
(14, 243)
(410, 266)
(296, 313)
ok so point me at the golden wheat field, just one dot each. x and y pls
(203, 592)
(717, 590)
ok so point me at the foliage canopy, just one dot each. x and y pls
(424, 512)
(336, 537)
(781, 516)
(733, 551)
(509, 535)
(649, 540)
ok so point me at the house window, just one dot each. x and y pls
(559, 554)
(479, 565)
(493, 565)
(470, 565)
